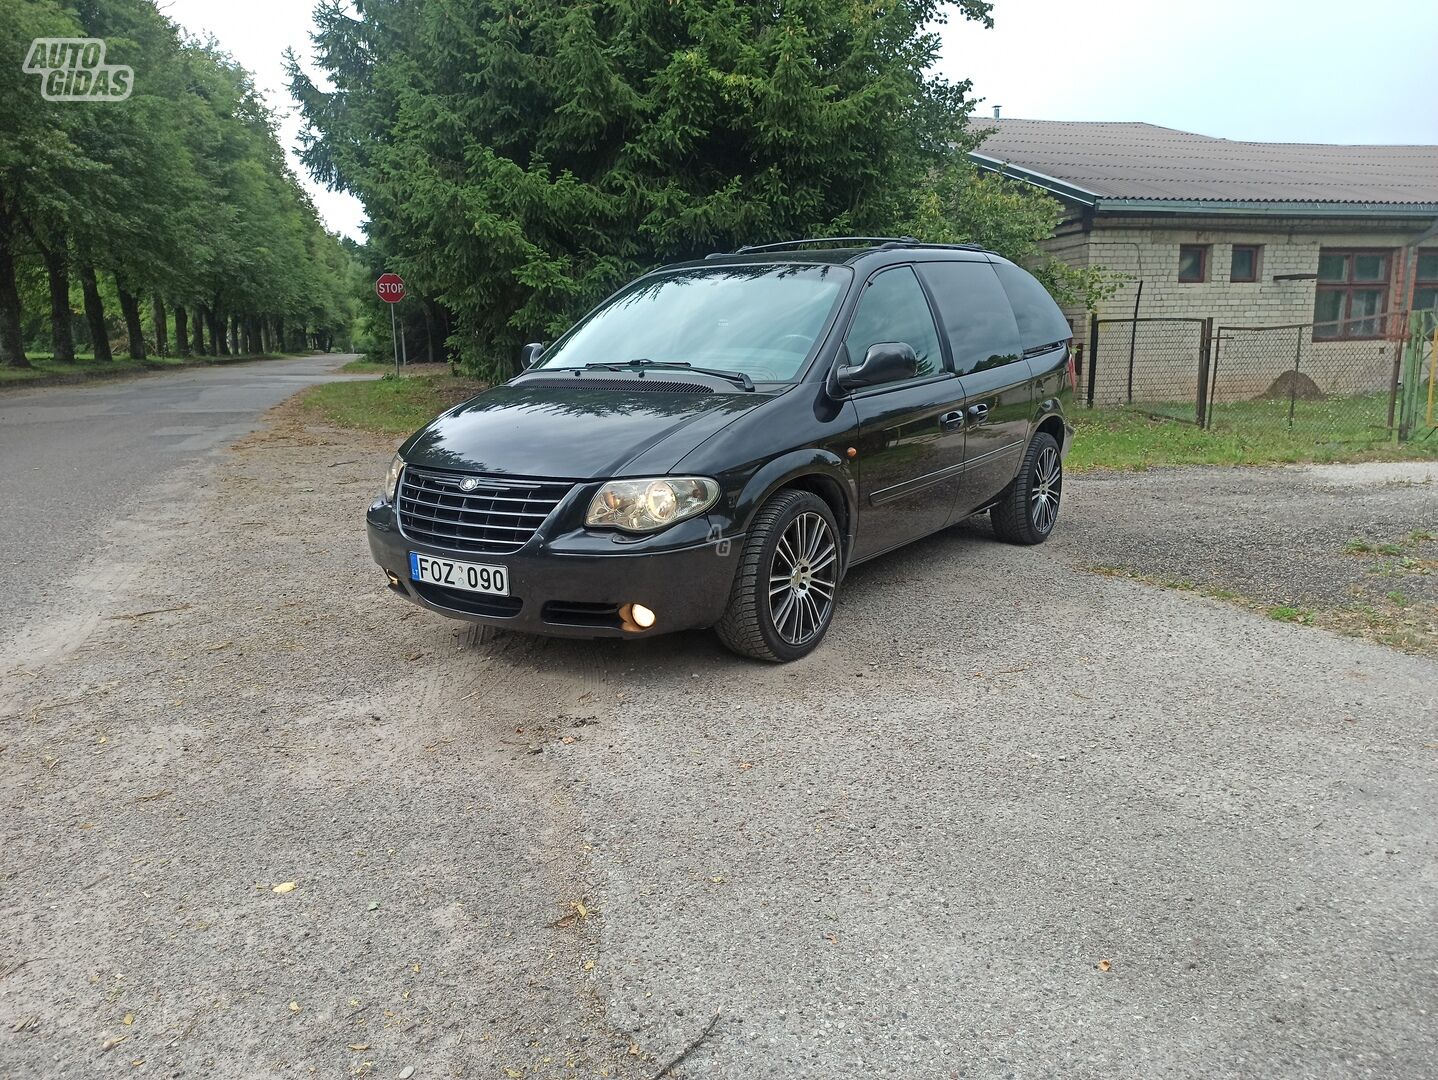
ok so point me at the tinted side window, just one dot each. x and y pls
(1040, 320)
(894, 308)
(975, 312)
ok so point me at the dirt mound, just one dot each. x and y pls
(1293, 384)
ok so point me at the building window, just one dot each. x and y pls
(1244, 265)
(1193, 262)
(1425, 282)
(1352, 293)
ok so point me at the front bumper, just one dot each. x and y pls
(573, 586)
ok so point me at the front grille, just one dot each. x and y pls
(497, 518)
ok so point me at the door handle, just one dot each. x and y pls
(951, 421)
(978, 413)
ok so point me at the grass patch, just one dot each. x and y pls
(46, 369)
(367, 367)
(390, 405)
(1409, 556)
(1402, 623)
(1244, 433)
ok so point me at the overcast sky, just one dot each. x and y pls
(1347, 71)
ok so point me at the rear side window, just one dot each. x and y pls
(893, 308)
(975, 312)
(1040, 320)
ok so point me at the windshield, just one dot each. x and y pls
(759, 320)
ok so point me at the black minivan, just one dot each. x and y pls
(719, 441)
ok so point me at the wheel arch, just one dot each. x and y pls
(820, 472)
(1052, 424)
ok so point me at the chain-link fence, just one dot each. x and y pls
(1324, 383)
(1418, 382)
(1151, 364)
(1307, 380)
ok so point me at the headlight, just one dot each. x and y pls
(647, 505)
(391, 479)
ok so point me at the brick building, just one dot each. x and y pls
(1250, 234)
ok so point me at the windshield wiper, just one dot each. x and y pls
(643, 363)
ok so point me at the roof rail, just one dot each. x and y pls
(878, 241)
(783, 244)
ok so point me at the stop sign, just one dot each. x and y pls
(390, 288)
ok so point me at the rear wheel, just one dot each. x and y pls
(1028, 508)
(783, 596)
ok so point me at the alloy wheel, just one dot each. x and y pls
(802, 578)
(1047, 487)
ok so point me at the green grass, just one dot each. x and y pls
(367, 367)
(44, 368)
(394, 406)
(1244, 433)
(1289, 614)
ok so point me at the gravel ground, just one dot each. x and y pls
(1015, 819)
(1279, 536)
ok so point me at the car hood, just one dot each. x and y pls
(579, 433)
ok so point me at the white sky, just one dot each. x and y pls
(1354, 71)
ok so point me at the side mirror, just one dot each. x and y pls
(886, 361)
(529, 354)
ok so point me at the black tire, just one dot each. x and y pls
(749, 626)
(1029, 507)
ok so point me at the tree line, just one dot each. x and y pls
(170, 218)
(517, 162)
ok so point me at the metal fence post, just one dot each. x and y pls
(1393, 388)
(1205, 352)
(1092, 357)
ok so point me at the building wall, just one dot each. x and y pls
(1146, 249)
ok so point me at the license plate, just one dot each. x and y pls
(471, 577)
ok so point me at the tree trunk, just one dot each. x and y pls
(62, 332)
(134, 329)
(182, 330)
(219, 344)
(12, 343)
(279, 335)
(235, 334)
(431, 329)
(162, 328)
(94, 313)
(201, 314)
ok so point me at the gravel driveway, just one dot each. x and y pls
(1015, 818)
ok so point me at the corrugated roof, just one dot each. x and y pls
(1143, 161)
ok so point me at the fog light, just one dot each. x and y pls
(642, 616)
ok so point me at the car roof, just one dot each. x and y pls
(895, 250)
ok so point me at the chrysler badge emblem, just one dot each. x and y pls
(469, 483)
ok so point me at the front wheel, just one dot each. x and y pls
(1028, 508)
(783, 596)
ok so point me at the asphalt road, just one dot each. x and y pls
(1014, 820)
(79, 458)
